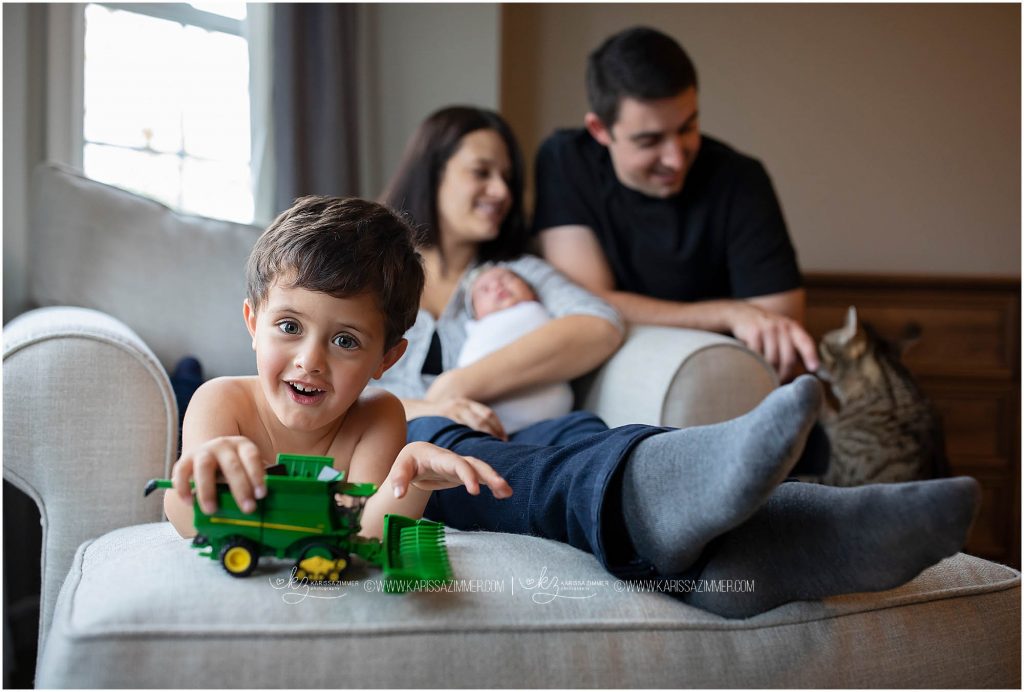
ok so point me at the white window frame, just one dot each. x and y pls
(65, 83)
(180, 12)
(65, 79)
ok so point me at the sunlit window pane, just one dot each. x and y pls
(132, 80)
(167, 111)
(154, 175)
(214, 100)
(212, 188)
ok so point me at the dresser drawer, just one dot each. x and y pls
(978, 422)
(968, 337)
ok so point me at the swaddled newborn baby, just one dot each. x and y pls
(505, 308)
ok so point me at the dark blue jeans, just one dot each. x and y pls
(565, 475)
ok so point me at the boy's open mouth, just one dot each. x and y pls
(304, 394)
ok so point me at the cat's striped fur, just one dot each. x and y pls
(884, 429)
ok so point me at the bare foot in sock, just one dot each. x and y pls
(812, 541)
(682, 488)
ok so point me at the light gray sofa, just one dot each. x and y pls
(90, 416)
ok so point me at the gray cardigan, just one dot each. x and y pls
(559, 295)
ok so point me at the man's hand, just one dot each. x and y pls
(236, 458)
(781, 340)
(429, 467)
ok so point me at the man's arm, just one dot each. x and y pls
(769, 324)
(406, 474)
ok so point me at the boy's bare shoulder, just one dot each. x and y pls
(231, 391)
(376, 404)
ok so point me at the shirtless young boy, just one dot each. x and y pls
(333, 284)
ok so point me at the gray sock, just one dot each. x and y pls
(682, 488)
(811, 541)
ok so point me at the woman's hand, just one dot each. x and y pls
(445, 395)
(472, 414)
(429, 467)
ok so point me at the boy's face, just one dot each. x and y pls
(315, 353)
(497, 289)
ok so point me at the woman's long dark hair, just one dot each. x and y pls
(413, 189)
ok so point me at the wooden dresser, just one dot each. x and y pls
(967, 362)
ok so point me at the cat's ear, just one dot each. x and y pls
(852, 337)
(849, 329)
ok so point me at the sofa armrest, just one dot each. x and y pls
(676, 378)
(89, 417)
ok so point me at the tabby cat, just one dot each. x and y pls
(884, 429)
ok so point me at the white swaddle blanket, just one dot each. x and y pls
(499, 329)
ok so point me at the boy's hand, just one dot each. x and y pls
(236, 458)
(429, 467)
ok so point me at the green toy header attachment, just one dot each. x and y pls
(311, 515)
(414, 551)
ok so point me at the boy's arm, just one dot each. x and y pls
(212, 443)
(381, 420)
(406, 474)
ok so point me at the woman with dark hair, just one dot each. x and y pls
(460, 183)
(413, 189)
(702, 503)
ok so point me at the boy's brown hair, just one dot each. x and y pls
(342, 247)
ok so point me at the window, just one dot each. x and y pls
(166, 104)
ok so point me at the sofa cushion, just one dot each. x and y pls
(177, 280)
(140, 609)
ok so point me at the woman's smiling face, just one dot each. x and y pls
(473, 197)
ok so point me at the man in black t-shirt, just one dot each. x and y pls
(671, 227)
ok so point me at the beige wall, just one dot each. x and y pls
(892, 132)
(418, 59)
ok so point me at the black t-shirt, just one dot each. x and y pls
(722, 236)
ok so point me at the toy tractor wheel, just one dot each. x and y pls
(239, 557)
(340, 566)
(320, 562)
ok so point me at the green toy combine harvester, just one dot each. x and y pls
(311, 515)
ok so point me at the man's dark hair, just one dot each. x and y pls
(413, 189)
(344, 248)
(639, 63)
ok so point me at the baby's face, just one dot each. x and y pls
(497, 289)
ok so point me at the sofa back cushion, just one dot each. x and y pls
(178, 281)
